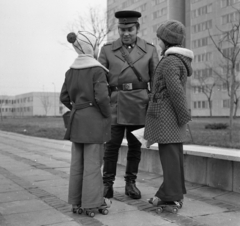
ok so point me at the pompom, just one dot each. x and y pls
(71, 37)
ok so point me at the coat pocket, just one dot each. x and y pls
(154, 109)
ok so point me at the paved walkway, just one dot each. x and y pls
(34, 183)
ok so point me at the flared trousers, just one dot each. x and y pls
(173, 186)
(85, 183)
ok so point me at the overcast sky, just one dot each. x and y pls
(32, 57)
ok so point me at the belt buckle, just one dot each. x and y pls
(127, 86)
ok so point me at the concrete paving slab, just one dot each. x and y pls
(121, 214)
(36, 175)
(5, 180)
(132, 218)
(207, 192)
(52, 183)
(23, 206)
(10, 187)
(193, 208)
(220, 219)
(66, 223)
(59, 191)
(65, 170)
(15, 196)
(230, 197)
(37, 218)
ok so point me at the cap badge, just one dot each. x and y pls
(124, 20)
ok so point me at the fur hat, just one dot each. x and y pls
(172, 32)
(83, 42)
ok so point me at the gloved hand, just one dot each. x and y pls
(149, 143)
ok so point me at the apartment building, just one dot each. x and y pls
(200, 17)
(31, 104)
(154, 12)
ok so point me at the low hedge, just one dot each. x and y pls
(216, 126)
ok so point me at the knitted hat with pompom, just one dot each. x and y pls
(172, 32)
(83, 42)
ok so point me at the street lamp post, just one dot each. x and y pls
(54, 99)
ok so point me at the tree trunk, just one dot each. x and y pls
(236, 108)
(231, 107)
(210, 107)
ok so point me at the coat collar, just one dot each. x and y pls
(181, 51)
(140, 43)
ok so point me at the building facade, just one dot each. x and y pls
(32, 104)
(202, 18)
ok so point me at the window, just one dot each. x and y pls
(224, 86)
(157, 2)
(143, 20)
(199, 104)
(205, 104)
(209, 8)
(226, 103)
(202, 11)
(225, 3)
(143, 7)
(195, 104)
(155, 27)
(156, 14)
(144, 32)
(159, 13)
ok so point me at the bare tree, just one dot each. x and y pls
(206, 83)
(46, 103)
(94, 21)
(225, 77)
(227, 44)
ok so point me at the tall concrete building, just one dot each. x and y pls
(154, 12)
(200, 17)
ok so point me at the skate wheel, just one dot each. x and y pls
(80, 211)
(174, 210)
(104, 211)
(74, 210)
(159, 210)
(91, 214)
(180, 205)
(100, 210)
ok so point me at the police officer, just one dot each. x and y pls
(131, 62)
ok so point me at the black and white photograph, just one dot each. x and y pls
(120, 113)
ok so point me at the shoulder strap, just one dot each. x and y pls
(129, 61)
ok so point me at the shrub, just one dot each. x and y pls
(216, 126)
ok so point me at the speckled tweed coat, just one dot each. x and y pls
(168, 113)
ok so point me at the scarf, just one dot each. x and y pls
(86, 61)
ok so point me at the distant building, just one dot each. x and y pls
(198, 16)
(32, 104)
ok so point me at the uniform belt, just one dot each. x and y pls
(130, 86)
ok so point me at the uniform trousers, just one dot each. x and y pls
(112, 150)
(85, 183)
(173, 186)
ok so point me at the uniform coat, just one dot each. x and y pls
(129, 107)
(168, 112)
(91, 124)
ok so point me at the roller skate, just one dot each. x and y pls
(77, 209)
(103, 209)
(171, 206)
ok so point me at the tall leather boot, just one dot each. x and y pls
(131, 189)
(109, 173)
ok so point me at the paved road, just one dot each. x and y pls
(34, 182)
